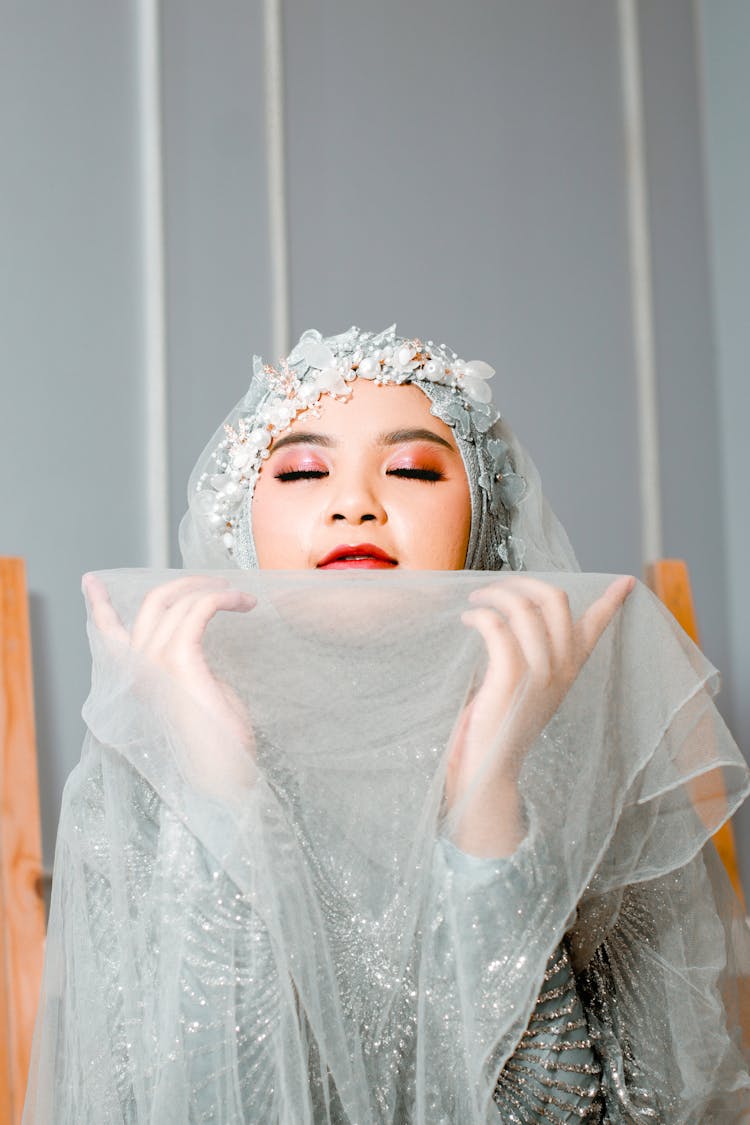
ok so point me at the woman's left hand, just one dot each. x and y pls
(535, 651)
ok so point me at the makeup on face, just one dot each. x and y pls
(375, 481)
(357, 556)
(420, 460)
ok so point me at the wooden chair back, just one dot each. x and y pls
(21, 903)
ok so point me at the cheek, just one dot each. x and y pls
(455, 528)
(434, 527)
(280, 520)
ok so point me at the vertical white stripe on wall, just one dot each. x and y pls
(640, 281)
(153, 283)
(276, 166)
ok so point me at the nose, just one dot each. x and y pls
(355, 502)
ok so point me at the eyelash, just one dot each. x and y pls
(431, 476)
(301, 474)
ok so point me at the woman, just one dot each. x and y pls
(356, 846)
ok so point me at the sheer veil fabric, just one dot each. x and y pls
(293, 937)
(289, 933)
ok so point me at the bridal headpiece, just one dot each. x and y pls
(512, 525)
(317, 366)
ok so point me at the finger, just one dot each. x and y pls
(528, 622)
(159, 639)
(193, 626)
(598, 616)
(554, 605)
(103, 613)
(180, 631)
(504, 653)
(162, 598)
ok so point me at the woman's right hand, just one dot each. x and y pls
(168, 632)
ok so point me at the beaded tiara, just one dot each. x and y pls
(320, 366)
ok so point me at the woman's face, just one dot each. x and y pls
(375, 481)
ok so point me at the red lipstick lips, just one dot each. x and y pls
(361, 556)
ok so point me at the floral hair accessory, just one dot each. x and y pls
(317, 367)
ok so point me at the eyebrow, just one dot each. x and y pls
(305, 438)
(395, 437)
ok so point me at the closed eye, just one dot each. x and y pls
(431, 475)
(301, 474)
(416, 474)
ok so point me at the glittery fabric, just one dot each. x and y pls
(302, 941)
(553, 1074)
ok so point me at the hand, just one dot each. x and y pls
(535, 651)
(168, 632)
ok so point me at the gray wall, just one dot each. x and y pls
(218, 307)
(690, 444)
(469, 184)
(724, 58)
(70, 337)
(457, 168)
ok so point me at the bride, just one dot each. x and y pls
(407, 847)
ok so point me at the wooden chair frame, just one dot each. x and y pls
(22, 922)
